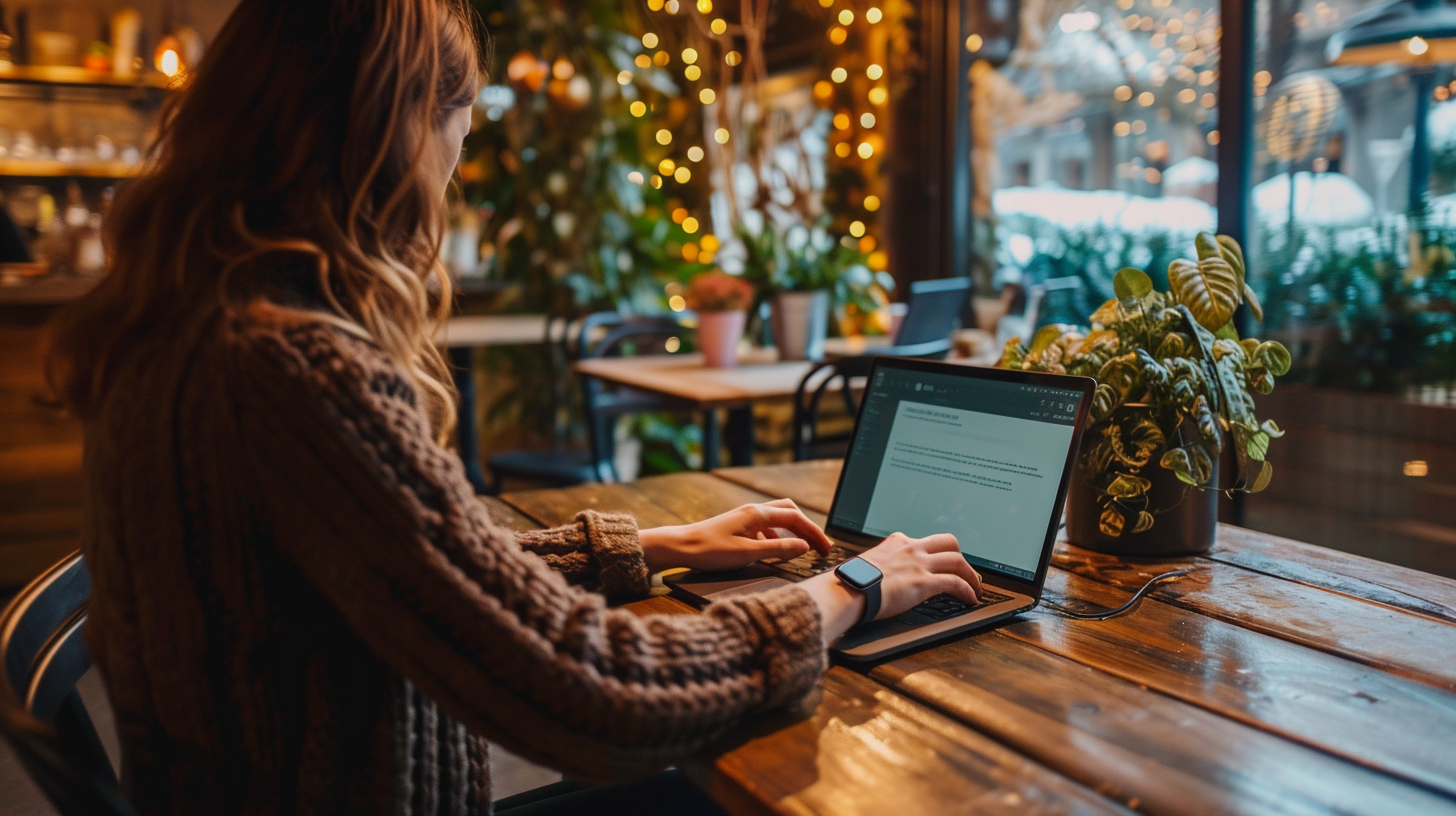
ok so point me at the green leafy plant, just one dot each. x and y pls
(1172, 375)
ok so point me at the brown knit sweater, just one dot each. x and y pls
(300, 607)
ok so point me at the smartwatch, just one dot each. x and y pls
(864, 578)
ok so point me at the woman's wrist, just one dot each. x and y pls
(839, 606)
(658, 547)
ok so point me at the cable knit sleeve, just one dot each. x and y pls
(599, 551)
(383, 523)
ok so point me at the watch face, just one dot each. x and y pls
(858, 573)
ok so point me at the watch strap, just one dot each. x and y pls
(872, 603)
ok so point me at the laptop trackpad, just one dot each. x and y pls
(869, 633)
(733, 589)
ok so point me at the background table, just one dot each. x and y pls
(1278, 677)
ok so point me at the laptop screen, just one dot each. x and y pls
(979, 458)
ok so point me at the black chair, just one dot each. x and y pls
(602, 334)
(561, 465)
(809, 442)
(41, 713)
(622, 336)
(933, 310)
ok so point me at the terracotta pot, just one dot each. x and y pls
(718, 336)
(1185, 518)
(799, 323)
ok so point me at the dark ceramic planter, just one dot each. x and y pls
(1185, 518)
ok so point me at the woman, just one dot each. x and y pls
(298, 604)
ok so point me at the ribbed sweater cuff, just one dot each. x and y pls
(791, 642)
(618, 551)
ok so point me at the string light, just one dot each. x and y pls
(873, 15)
(693, 73)
(1213, 137)
(874, 71)
(1208, 100)
(656, 182)
(689, 56)
(679, 215)
(672, 6)
(635, 177)
(1187, 95)
(839, 75)
(661, 59)
(1146, 99)
(677, 304)
(664, 136)
(690, 252)
(706, 96)
(666, 166)
(690, 225)
(654, 5)
(865, 150)
(867, 120)
(878, 96)
(857, 229)
(624, 77)
(695, 153)
(841, 121)
(721, 136)
(1139, 126)
(838, 35)
(826, 3)
(842, 150)
(710, 243)
(1121, 129)
(643, 61)
(871, 203)
(732, 58)
(649, 40)
(974, 43)
(639, 108)
(823, 90)
(682, 175)
(705, 6)
(718, 26)
(1123, 93)
(846, 17)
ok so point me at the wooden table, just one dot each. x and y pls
(683, 377)
(1280, 677)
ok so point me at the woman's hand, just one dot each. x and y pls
(914, 569)
(737, 538)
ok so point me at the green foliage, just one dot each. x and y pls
(802, 259)
(1354, 311)
(1166, 380)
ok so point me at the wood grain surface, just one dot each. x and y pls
(1277, 678)
(684, 377)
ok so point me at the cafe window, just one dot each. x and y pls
(1094, 145)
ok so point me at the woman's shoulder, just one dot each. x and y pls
(313, 350)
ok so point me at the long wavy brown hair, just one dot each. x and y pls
(285, 185)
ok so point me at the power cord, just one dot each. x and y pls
(1127, 607)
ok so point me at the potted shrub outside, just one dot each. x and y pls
(721, 302)
(1174, 383)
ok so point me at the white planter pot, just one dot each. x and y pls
(799, 323)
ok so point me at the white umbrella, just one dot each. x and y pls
(1193, 170)
(1320, 200)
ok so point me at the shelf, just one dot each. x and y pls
(68, 75)
(50, 168)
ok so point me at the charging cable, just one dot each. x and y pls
(1127, 607)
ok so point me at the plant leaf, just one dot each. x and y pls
(1111, 523)
(1178, 461)
(1233, 253)
(1044, 337)
(1131, 284)
(1253, 301)
(1262, 480)
(1258, 446)
(1127, 486)
(1209, 288)
(1274, 356)
(1144, 522)
(1227, 332)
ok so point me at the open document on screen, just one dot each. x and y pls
(989, 479)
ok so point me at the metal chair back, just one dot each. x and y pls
(41, 713)
(809, 441)
(612, 334)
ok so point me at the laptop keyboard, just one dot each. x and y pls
(811, 562)
(939, 607)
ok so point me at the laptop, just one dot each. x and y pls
(985, 454)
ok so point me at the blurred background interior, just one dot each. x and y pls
(1033, 147)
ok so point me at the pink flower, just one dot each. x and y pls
(718, 292)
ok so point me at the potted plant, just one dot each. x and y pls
(801, 272)
(1174, 383)
(721, 303)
